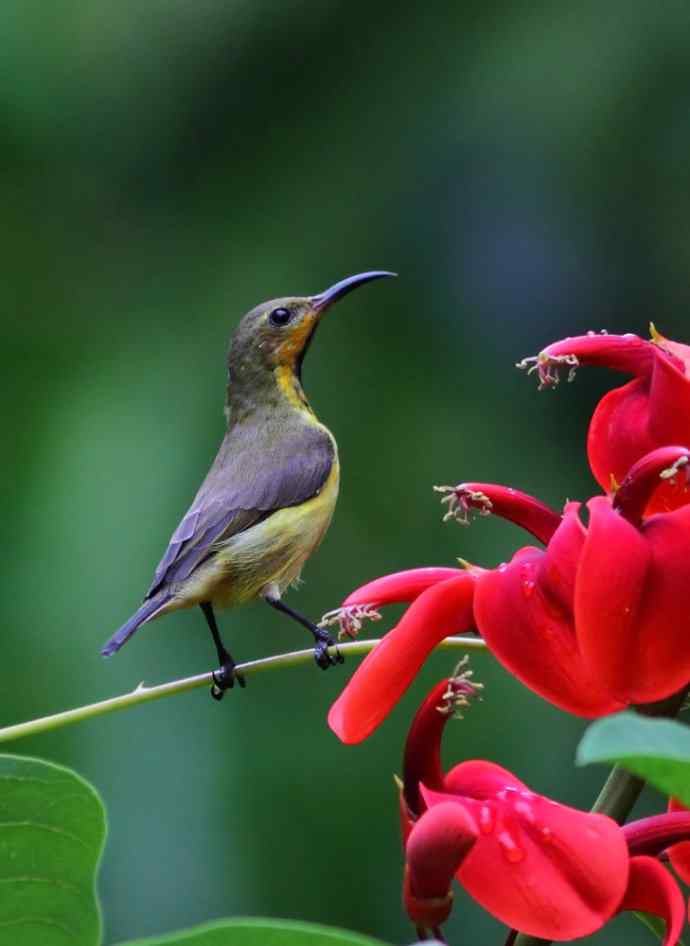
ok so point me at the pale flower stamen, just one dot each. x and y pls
(548, 368)
(461, 691)
(350, 619)
(672, 471)
(461, 499)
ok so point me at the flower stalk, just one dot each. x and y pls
(146, 694)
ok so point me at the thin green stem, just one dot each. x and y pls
(144, 694)
(618, 795)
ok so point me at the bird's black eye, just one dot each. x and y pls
(280, 316)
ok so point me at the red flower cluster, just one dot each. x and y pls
(541, 867)
(594, 620)
(651, 411)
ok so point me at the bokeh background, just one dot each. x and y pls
(165, 166)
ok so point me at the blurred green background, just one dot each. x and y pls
(166, 165)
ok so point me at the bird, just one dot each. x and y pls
(271, 491)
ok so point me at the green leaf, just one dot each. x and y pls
(52, 829)
(248, 931)
(657, 750)
(656, 925)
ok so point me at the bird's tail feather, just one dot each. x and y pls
(147, 611)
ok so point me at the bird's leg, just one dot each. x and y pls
(223, 679)
(322, 638)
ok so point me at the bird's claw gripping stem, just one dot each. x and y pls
(323, 658)
(224, 679)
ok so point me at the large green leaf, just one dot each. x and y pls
(52, 829)
(657, 750)
(259, 932)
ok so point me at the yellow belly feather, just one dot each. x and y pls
(272, 552)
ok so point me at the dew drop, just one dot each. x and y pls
(527, 579)
(510, 848)
(546, 835)
(525, 809)
(486, 820)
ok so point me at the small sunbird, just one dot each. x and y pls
(269, 496)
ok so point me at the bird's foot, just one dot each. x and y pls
(323, 658)
(224, 679)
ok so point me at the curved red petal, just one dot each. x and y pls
(651, 889)
(524, 510)
(618, 432)
(631, 603)
(611, 578)
(649, 412)
(627, 353)
(478, 779)
(523, 612)
(400, 587)
(422, 756)
(544, 868)
(657, 833)
(562, 556)
(436, 847)
(387, 671)
(679, 854)
(637, 489)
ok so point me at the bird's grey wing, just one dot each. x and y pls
(238, 493)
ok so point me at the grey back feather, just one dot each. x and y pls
(262, 466)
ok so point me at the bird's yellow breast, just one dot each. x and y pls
(270, 554)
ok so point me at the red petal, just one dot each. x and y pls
(657, 833)
(647, 413)
(627, 353)
(400, 587)
(387, 671)
(422, 757)
(631, 603)
(544, 868)
(523, 611)
(651, 889)
(643, 479)
(436, 847)
(525, 511)
(611, 578)
(679, 854)
(479, 779)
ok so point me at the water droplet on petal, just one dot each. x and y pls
(525, 809)
(510, 848)
(486, 820)
(527, 579)
(546, 835)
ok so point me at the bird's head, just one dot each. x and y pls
(274, 336)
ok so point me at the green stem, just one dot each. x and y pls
(144, 694)
(618, 795)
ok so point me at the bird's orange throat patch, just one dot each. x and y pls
(294, 344)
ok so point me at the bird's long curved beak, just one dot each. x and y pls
(340, 289)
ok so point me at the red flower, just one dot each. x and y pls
(544, 868)
(651, 411)
(679, 854)
(595, 621)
